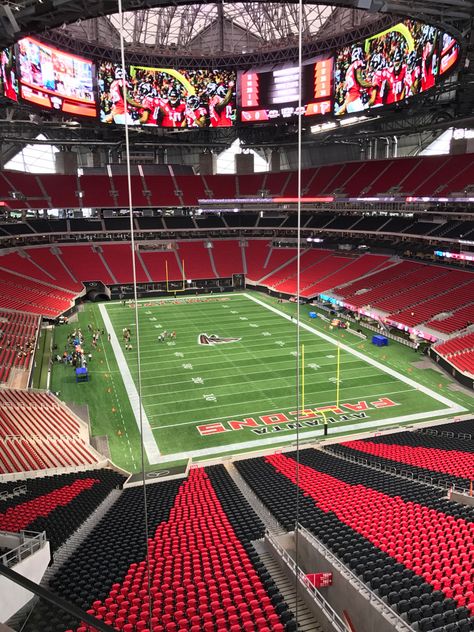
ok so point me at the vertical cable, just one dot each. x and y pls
(298, 307)
(135, 297)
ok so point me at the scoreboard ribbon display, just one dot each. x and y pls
(273, 94)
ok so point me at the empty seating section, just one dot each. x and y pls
(17, 341)
(387, 283)
(456, 345)
(60, 190)
(457, 180)
(416, 178)
(358, 287)
(251, 184)
(391, 176)
(346, 270)
(345, 173)
(279, 258)
(162, 191)
(360, 184)
(457, 320)
(221, 187)
(204, 573)
(315, 276)
(22, 294)
(414, 288)
(157, 262)
(197, 545)
(97, 191)
(28, 187)
(408, 544)
(57, 504)
(118, 258)
(459, 352)
(195, 260)
(436, 454)
(274, 184)
(120, 185)
(464, 362)
(256, 254)
(285, 279)
(24, 265)
(50, 263)
(438, 172)
(227, 257)
(192, 189)
(38, 432)
(85, 263)
(425, 311)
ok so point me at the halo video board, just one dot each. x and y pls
(403, 61)
(55, 80)
(167, 97)
(272, 94)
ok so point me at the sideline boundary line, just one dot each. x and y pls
(456, 408)
(148, 438)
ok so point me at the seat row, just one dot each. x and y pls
(199, 574)
(406, 543)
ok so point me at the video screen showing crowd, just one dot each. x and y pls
(165, 97)
(389, 67)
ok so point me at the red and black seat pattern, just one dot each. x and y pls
(414, 548)
(56, 504)
(416, 451)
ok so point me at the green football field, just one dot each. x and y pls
(227, 382)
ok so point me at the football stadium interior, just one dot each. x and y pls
(236, 316)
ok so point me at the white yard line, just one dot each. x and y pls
(276, 410)
(283, 397)
(150, 444)
(148, 438)
(455, 408)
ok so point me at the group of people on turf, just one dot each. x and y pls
(165, 334)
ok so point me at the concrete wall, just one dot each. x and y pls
(343, 595)
(13, 597)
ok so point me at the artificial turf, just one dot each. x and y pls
(186, 385)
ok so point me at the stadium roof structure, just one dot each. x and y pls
(212, 28)
(19, 17)
(201, 34)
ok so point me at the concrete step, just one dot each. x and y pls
(262, 512)
(75, 540)
(305, 619)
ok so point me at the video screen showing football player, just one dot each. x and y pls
(389, 67)
(221, 108)
(196, 114)
(354, 86)
(172, 109)
(8, 80)
(117, 105)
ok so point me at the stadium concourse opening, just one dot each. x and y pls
(240, 398)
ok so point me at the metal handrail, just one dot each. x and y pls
(362, 587)
(16, 491)
(32, 541)
(322, 603)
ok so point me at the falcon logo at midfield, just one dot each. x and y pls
(205, 339)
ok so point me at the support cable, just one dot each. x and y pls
(135, 297)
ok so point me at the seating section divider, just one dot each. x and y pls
(408, 544)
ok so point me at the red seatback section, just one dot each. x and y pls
(448, 461)
(19, 517)
(200, 572)
(430, 543)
